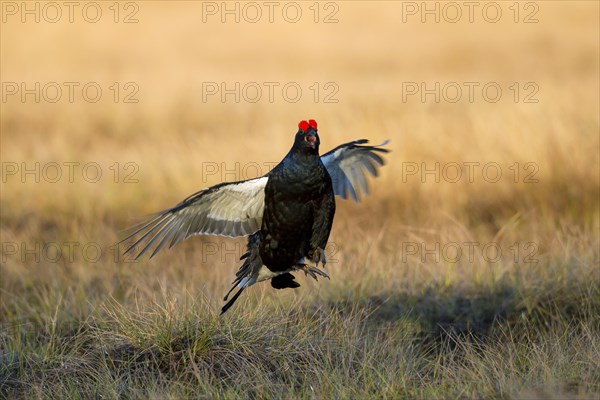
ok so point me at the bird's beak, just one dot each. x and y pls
(311, 138)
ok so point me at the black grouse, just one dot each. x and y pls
(287, 213)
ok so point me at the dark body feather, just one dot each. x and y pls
(299, 210)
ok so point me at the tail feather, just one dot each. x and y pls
(233, 299)
(250, 267)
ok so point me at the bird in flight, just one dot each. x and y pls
(287, 214)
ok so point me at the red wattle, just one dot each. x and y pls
(303, 125)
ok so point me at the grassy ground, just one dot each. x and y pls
(479, 288)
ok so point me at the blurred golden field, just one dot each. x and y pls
(404, 314)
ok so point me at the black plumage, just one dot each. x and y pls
(288, 213)
(299, 205)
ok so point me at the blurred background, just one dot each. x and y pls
(111, 111)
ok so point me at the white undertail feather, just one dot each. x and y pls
(262, 274)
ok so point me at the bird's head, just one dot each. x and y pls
(307, 139)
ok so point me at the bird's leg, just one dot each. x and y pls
(317, 256)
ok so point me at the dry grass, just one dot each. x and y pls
(389, 324)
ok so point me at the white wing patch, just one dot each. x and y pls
(230, 209)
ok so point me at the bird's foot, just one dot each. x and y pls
(312, 271)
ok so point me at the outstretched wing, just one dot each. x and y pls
(228, 209)
(347, 163)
